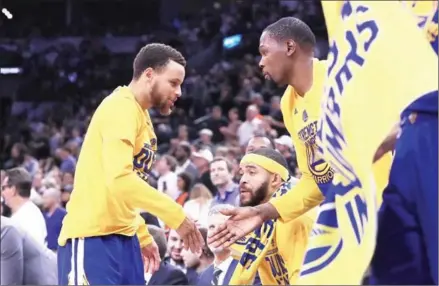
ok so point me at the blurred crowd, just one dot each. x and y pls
(222, 109)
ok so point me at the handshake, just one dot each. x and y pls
(190, 235)
(192, 239)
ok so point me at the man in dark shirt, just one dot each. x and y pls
(167, 273)
(215, 123)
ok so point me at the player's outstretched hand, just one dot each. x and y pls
(151, 257)
(192, 238)
(242, 221)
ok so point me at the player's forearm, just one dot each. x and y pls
(139, 194)
(303, 197)
(267, 211)
(131, 189)
(143, 234)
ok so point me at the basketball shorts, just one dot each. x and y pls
(101, 260)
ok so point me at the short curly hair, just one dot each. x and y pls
(291, 28)
(155, 56)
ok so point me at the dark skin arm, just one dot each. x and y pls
(242, 221)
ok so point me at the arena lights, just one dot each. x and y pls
(7, 13)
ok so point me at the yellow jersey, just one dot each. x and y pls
(301, 115)
(110, 180)
(286, 251)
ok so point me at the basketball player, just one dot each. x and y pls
(287, 50)
(103, 237)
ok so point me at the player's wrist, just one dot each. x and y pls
(266, 211)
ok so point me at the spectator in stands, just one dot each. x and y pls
(231, 130)
(259, 141)
(167, 181)
(21, 157)
(251, 125)
(201, 160)
(197, 262)
(284, 145)
(221, 151)
(24, 261)
(68, 162)
(220, 272)
(16, 186)
(205, 139)
(183, 155)
(258, 100)
(53, 214)
(174, 247)
(184, 183)
(199, 203)
(214, 124)
(183, 133)
(67, 181)
(167, 273)
(275, 117)
(221, 175)
(37, 189)
(76, 136)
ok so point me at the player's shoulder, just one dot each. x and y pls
(120, 99)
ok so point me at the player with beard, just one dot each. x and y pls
(258, 183)
(98, 241)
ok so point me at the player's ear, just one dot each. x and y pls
(148, 73)
(291, 47)
(276, 180)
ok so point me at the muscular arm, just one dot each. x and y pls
(302, 197)
(12, 260)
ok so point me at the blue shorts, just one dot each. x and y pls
(407, 241)
(101, 260)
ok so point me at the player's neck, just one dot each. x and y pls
(302, 81)
(142, 99)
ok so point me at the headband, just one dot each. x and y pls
(268, 164)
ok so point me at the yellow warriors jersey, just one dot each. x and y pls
(110, 180)
(286, 251)
(301, 115)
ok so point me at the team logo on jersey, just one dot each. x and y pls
(318, 167)
(143, 161)
(153, 142)
(305, 116)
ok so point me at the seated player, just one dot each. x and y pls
(263, 172)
